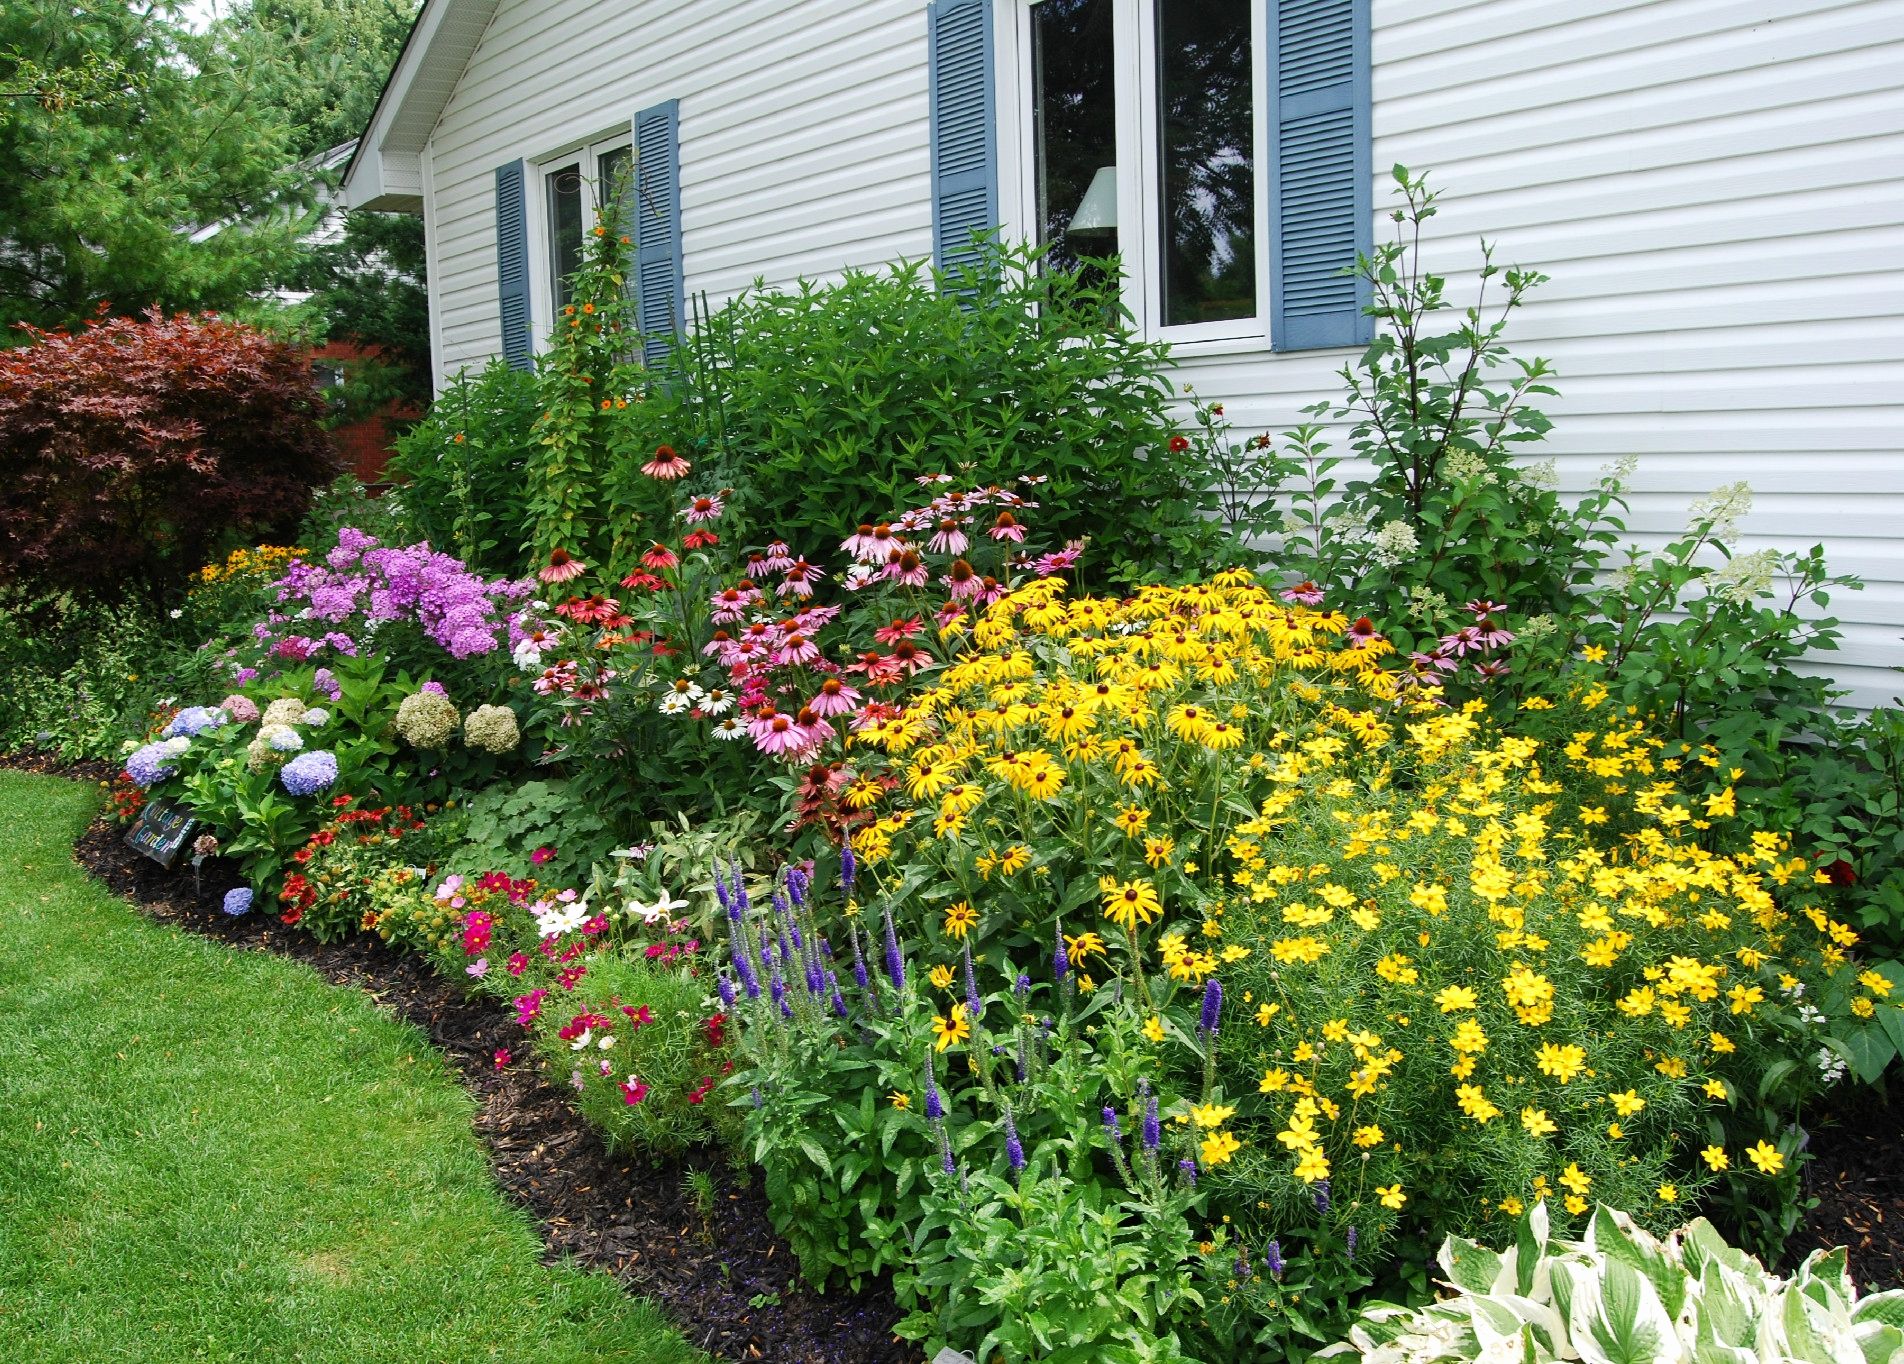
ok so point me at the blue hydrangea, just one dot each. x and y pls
(193, 721)
(238, 901)
(309, 773)
(152, 764)
(284, 739)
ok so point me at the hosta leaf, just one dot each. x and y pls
(1615, 1236)
(1618, 1319)
(1886, 1308)
(1470, 1267)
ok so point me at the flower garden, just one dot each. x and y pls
(1378, 918)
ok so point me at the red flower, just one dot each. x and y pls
(541, 855)
(700, 539)
(1178, 444)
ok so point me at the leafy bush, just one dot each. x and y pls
(1620, 1294)
(133, 447)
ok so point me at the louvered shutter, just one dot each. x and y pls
(657, 217)
(512, 267)
(964, 127)
(1320, 172)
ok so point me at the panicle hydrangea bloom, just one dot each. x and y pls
(492, 729)
(286, 710)
(309, 773)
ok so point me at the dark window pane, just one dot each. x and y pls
(1205, 106)
(615, 167)
(1074, 123)
(565, 228)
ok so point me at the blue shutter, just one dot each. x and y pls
(512, 267)
(964, 127)
(1321, 190)
(657, 213)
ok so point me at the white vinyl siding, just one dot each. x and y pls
(1715, 186)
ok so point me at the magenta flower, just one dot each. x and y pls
(633, 1090)
(704, 509)
(658, 557)
(502, 1057)
(541, 856)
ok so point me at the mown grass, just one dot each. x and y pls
(208, 1154)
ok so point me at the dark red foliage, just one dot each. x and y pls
(130, 449)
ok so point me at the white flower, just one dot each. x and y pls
(729, 728)
(1545, 474)
(176, 745)
(717, 702)
(316, 715)
(1723, 509)
(658, 912)
(1394, 542)
(1745, 577)
(176, 612)
(588, 1035)
(563, 919)
(527, 655)
(608, 1040)
(1464, 466)
(1831, 1066)
(676, 702)
(1810, 1015)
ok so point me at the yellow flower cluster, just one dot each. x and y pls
(1424, 920)
(262, 562)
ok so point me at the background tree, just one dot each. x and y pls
(317, 65)
(122, 132)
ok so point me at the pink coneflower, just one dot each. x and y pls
(699, 539)
(776, 558)
(796, 651)
(1491, 633)
(834, 698)
(775, 734)
(1007, 528)
(962, 581)
(816, 730)
(906, 568)
(730, 604)
(948, 613)
(658, 557)
(666, 464)
(1304, 593)
(949, 538)
(1363, 633)
(1481, 606)
(633, 1090)
(1058, 561)
(909, 657)
(862, 546)
(872, 715)
(897, 630)
(800, 578)
(1434, 662)
(562, 567)
(1492, 669)
(707, 508)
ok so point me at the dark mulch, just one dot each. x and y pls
(1858, 1180)
(634, 1220)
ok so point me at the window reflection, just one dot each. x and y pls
(1074, 122)
(1206, 144)
(565, 229)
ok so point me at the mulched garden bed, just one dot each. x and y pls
(640, 1223)
(634, 1220)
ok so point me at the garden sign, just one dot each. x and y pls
(161, 830)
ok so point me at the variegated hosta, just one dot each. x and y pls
(1621, 1296)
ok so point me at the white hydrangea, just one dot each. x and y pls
(1723, 508)
(1393, 543)
(1464, 466)
(1544, 475)
(1424, 603)
(1745, 577)
(1616, 474)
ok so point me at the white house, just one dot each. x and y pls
(1715, 186)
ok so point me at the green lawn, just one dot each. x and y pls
(208, 1154)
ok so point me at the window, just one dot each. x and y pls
(575, 186)
(1143, 129)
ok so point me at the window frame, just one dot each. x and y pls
(1139, 194)
(587, 153)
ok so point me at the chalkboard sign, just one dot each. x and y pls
(161, 831)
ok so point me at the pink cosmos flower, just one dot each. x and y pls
(541, 856)
(633, 1090)
(834, 698)
(502, 1057)
(478, 968)
(517, 963)
(562, 567)
(666, 465)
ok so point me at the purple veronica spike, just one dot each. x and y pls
(1273, 1258)
(797, 886)
(1189, 1168)
(1349, 1239)
(848, 868)
(726, 987)
(895, 964)
(758, 1101)
(1153, 1127)
(1021, 987)
(720, 893)
(950, 1167)
(935, 1106)
(777, 985)
(826, 949)
(1060, 960)
(1242, 1265)
(1322, 1195)
(740, 889)
(971, 987)
(859, 961)
(833, 989)
(1212, 1007)
(1110, 1126)
(816, 983)
(1014, 1149)
(744, 968)
(786, 1009)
